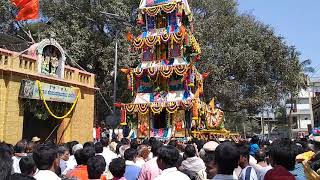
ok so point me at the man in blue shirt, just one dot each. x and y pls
(132, 171)
(254, 147)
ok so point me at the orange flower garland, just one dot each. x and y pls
(151, 41)
(168, 8)
(143, 108)
(130, 107)
(156, 108)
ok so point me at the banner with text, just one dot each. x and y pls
(29, 89)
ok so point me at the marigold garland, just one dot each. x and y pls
(153, 11)
(166, 72)
(177, 37)
(143, 108)
(167, 8)
(180, 70)
(152, 71)
(156, 108)
(138, 72)
(195, 45)
(138, 43)
(165, 37)
(48, 108)
(151, 41)
(172, 107)
(130, 107)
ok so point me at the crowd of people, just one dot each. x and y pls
(150, 159)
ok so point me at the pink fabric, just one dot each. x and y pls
(161, 132)
(150, 2)
(150, 170)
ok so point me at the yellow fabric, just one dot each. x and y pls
(305, 156)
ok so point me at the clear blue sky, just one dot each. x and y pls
(298, 21)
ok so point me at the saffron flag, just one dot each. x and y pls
(28, 9)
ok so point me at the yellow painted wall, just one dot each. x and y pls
(77, 127)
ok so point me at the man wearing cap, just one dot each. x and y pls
(35, 140)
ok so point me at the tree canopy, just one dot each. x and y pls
(249, 64)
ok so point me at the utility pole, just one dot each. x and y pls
(262, 125)
(118, 21)
(244, 130)
(115, 76)
(269, 129)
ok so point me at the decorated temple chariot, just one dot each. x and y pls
(166, 86)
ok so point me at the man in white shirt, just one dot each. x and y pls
(168, 157)
(262, 167)
(226, 159)
(47, 161)
(192, 164)
(106, 152)
(247, 172)
(72, 163)
(19, 152)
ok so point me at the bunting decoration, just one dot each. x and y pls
(28, 9)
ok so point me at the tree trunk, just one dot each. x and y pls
(290, 118)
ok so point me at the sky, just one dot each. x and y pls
(298, 21)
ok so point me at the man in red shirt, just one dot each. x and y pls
(82, 156)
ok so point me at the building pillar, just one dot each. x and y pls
(14, 111)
